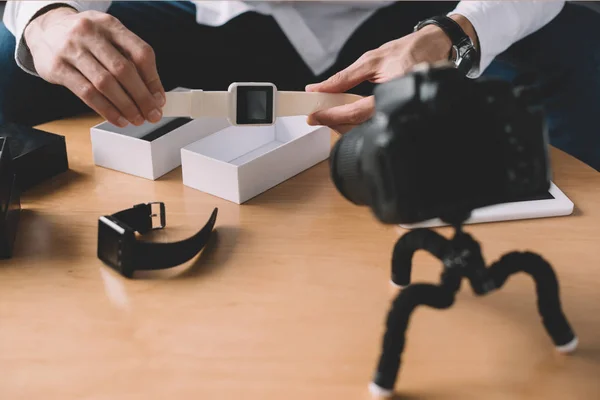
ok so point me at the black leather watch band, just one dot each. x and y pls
(151, 256)
(466, 56)
(121, 250)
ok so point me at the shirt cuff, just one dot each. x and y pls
(500, 24)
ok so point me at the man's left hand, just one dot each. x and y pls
(392, 60)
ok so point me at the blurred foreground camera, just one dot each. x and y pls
(441, 145)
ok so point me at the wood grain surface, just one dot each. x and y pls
(287, 302)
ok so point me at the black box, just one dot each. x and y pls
(37, 155)
(10, 201)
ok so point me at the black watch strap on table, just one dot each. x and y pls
(134, 254)
(153, 255)
(466, 56)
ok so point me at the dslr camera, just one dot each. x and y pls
(441, 145)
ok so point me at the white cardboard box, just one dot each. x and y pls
(126, 150)
(234, 163)
(239, 163)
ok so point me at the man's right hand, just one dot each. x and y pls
(102, 62)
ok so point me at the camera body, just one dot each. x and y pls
(441, 145)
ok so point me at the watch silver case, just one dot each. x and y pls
(460, 51)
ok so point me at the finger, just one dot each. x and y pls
(144, 59)
(349, 114)
(106, 84)
(127, 75)
(73, 80)
(361, 70)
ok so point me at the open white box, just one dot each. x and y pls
(144, 150)
(129, 150)
(238, 163)
(231, 162)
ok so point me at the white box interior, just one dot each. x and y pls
(132, 130)
(238, 145)
(238, 163)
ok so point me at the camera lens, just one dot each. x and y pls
(345, 166)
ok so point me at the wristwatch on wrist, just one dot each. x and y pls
(119, 248)
(464, 55)
(250, 103)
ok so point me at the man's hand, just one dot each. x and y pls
(107, 66)
(393, 59)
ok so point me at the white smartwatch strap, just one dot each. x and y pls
(306, 103)
(196, 104)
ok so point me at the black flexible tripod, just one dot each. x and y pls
(462, 258)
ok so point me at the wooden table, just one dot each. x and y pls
(287, 302)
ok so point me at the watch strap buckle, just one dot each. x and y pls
(159, 215)
(156, 216)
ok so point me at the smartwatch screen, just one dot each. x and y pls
(254, 105)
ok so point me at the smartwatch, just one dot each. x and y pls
(250, 103)
(119, 248)
(464, 55)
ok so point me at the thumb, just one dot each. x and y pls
(361, 70)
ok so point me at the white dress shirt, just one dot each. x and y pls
(318, 30)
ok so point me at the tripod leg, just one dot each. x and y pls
(398, 317)
(548, 297)
(406, 247)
